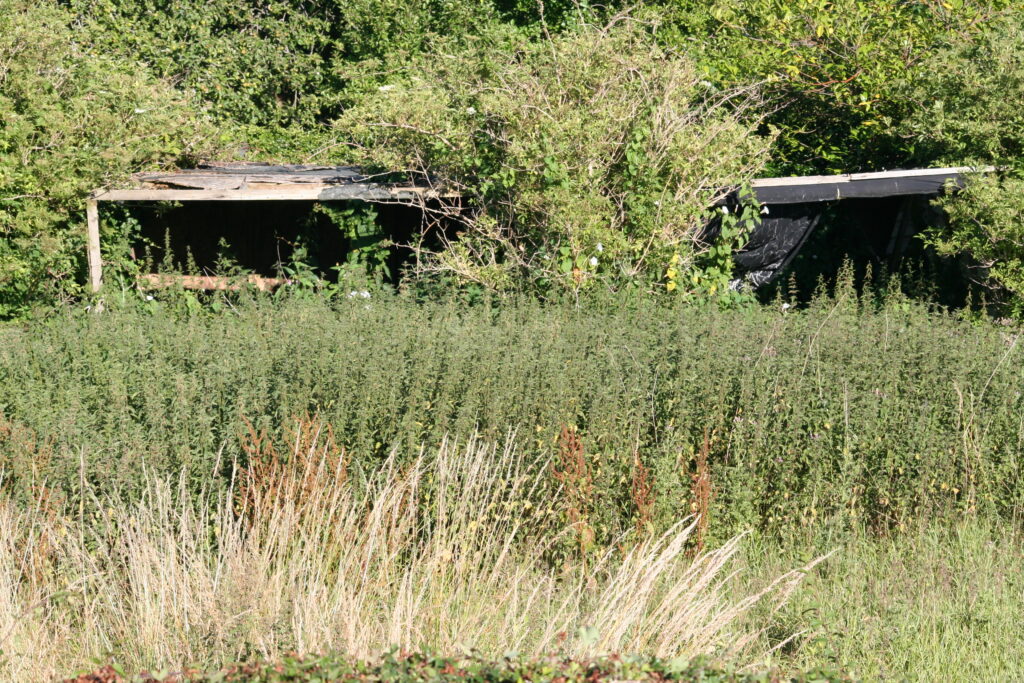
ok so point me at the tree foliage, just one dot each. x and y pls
(836, 71)
(270, 64)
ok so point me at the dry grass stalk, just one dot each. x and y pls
(641, 491)
(268, 478)
(577, 485)
(701, 491)
(446, 553)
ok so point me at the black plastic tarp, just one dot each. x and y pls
(776, 240)
(792, 209)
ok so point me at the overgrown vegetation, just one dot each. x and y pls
(195, 489)
(592, 155)
(563, 433)
(850, 415)
(938, 602)
(73, 118)
(577, 134)
(972, 114)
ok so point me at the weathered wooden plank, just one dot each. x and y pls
(853, 177)
(92, 219)
(801, 190)
(200, 181)
(276, 193)
(918, 172)
(194, 183)
(209, 282)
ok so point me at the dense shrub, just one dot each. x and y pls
(273, 67)
(593, 154)
(835, 417)
(836, 71)
(71, 119)
(967, 108)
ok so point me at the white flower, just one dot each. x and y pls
(657, 202)
(470, 111)
(353, 294)
(149, 297)
(364, 294)
(764, 210)
(725, 210)
(385, 88)
(593, 260)
(600, 247)
(785, 307)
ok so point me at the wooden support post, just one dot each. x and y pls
(92, 216)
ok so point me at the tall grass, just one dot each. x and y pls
(843, 416)
(304, 552)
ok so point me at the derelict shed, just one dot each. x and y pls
(263, 185)
(887, 209)
(882, 211)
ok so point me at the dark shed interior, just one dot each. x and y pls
(809, 227)
(261, 237)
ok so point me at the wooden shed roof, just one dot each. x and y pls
(827, 188)
(257, 182)
(247, 181)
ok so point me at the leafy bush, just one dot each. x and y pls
(73, 119)
(273, 65)
(986, 222)
(964, 97)
(588, 155)
(967, 107)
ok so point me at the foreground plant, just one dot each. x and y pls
(465, 669)
(440, 554)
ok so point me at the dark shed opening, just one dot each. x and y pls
(810, 226)
(259, 217)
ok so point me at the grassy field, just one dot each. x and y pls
(189, 489)
(939, 602)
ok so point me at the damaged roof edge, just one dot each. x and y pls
(806, 189)
(368, 192)
(265, 182)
